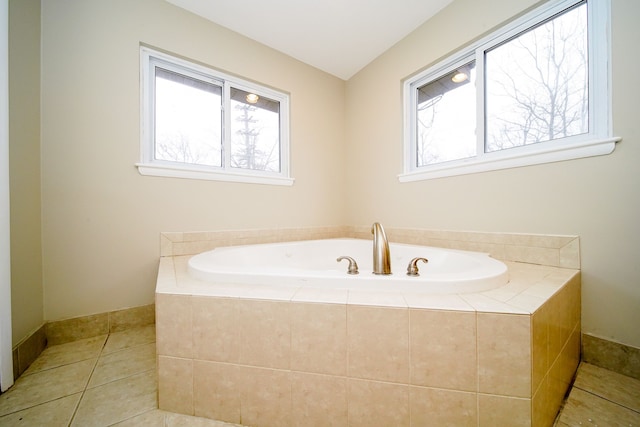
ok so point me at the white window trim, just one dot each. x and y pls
(599, 141)
(149, 166)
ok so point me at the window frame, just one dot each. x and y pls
(598, 141)
(151, 166)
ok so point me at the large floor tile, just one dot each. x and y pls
(56, 413)
(45, 386)
(130, 338)
(585, 409)
(153, 418)
(117, 401)
(609, 385)
(64, 354)
(123, 363)
(158, 418)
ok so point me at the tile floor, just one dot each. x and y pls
(111, 381)
(600, 397)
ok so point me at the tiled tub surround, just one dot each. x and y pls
(284, 357)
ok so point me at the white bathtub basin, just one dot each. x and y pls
(313, 263)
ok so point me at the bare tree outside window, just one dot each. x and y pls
(541, 94)
(537, 84)
(255, 132)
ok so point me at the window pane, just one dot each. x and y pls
(537, 84)
(188, 120)
(446, 117)
(255, 132)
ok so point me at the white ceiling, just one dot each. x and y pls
(336, 36)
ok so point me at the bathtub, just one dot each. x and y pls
(313, 263)
(279, 334)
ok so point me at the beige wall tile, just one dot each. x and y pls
(173, 325)
(483, 303)
(265, 397)
(321, 295)
(443, 349)
(216, 330)
(533, 255)
(318, 400)
(175, 384)
(436, 407)
(166, 245)
(503, 411)
(543, 405)
(376, 299)
(378, 343)
(549, 396)
(570, 254)
(540, 346)
(504, 354)
(216, 390)
(373, 403)
(265, 333)
(563, 369)
(575, 299)
(561, 320)
(437, 302)
(319, 338)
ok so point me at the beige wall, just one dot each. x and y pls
(24, 156)
(596, 198)
(102, 219)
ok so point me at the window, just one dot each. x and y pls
(535, 91)
(202, 124)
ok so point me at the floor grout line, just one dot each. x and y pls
(595, 394)
(75, 411)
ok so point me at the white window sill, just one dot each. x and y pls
(532, 157)
(209, 175)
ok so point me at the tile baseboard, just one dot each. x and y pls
(28, 350)
(63, 331)
(77, 328)
(610, 355)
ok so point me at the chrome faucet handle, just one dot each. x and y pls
(353, 265)
(412, 269)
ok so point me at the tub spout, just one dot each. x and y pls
(381, 257)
